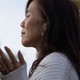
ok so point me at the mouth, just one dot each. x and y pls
(22, 33)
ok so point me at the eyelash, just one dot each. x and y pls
(28, 16)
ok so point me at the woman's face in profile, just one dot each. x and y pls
(32, 26)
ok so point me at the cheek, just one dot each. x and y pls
(33, 29)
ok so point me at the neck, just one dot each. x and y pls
(38, 47)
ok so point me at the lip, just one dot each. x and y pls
(22, 33)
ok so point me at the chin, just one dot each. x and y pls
(27, 44)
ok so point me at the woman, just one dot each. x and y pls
(52, 27)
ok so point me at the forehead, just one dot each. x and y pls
(33, 6)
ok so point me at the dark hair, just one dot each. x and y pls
(62, 34)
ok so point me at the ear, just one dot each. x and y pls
(44, 27)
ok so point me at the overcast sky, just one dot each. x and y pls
(11, 15)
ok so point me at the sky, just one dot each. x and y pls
(12, 12)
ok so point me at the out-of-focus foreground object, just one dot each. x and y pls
(77, 2)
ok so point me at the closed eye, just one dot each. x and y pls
(28, 16)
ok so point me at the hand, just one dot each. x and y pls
(6, 65)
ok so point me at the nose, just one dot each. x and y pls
(22, 24)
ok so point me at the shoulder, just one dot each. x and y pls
(55, 58)
(55, 66)
(59, 63)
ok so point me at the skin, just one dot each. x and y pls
(32, 28)
(7, 65)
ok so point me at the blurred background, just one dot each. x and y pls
(12, 12)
